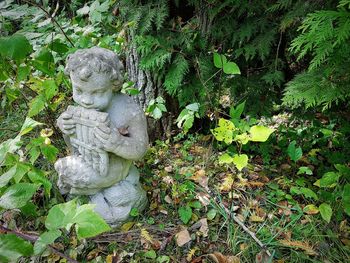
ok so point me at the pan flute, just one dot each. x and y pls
(84, 140)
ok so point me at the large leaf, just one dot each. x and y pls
(88, 222)
(13, 247)
(219, 60)
(346, 199)
(15, 47)
(236, 113)
(260, 133)
(231, 68)
(6, 177)
(240, 160)
(224, 132)
(61, 215)
(295, 153)
(326, 212)
(50, 89)
(225, 158)
(28, 125)
(17, 195)
(36, 105)
(45, 239)
(329, 179)
(38, 176)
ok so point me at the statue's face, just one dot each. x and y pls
(96, 93)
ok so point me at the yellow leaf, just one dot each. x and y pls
(255, 218)
(227, 183)
(220, 258)
(126, 227)
(145, 235)
(311, 210)
(191, 253)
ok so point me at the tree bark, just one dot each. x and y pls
(150, 87)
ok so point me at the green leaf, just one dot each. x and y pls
(15, 47)
(242, 138)
(329, 179)
(211, 214)
(23, 72)
(49, 151)
(45, 62)
(61, 215)
(88, 222)
(13, 247)
(219, 60)
(326, 212)
(36, 105)
(193, 107)
(304, 170)
(45, 239)
(151, 254)
(346, 199)
(231, 68)
(240, 160)
(6, 177)
(260, 133)
(294, 153)
(308, 193)
(225, 158)
(50, 89)
(38, 176)
(157, 113)
(17, 195)
(28, 125)
(21, 170)
(236, 113)
(185, 213)
(224, 132)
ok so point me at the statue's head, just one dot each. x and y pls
(95, 73)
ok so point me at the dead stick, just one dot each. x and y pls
(239, 222)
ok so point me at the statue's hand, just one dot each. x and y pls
(66, 123)
(108, 138)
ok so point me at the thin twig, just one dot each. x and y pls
(32, 238)
(52, 18)
(239, 222)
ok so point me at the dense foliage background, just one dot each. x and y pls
(248, 111)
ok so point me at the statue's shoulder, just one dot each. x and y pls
(122, 103)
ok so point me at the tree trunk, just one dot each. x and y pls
(150, 87)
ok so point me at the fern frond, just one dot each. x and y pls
(176, 74)
(155, 60)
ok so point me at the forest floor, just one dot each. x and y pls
(203, 211)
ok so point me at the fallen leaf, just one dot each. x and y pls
(126, 227)
(220, 258)
(182, 237)
(168, 180)
(227, 183)
(168, 199)
(311, 210)
(93, 254)
(255, 218)
(203, 198)
(299, 245)
(243, 246)
(191, 253)
(204, 227)
(200, 178)
(168, 169)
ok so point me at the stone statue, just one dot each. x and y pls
(106, 132)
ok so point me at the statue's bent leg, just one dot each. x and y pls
(115, 203)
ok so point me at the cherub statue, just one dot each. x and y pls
(105, 133)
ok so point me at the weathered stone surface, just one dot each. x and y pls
(105, 132)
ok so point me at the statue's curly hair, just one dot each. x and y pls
(86, 61)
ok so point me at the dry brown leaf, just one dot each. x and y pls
(93, 254)
(255, 184)
(182, 237)
(227, 183)
(200, 178)
(167, 199)
(220, 258)
(243, 246)
(168, 169)
(204, 227)
(299, 245)
(203, 198)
